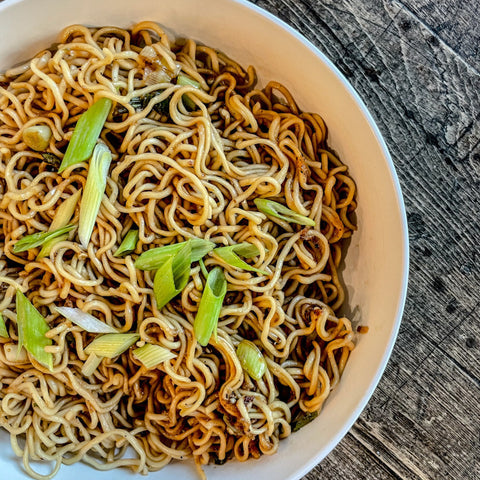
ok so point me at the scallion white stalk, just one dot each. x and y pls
(112, 344)
(84, 320)
(152, 355)
(93, 193)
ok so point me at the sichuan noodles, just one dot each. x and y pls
(194, 146)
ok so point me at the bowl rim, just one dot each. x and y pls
(355, 414)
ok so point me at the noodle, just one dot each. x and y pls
(185, 173)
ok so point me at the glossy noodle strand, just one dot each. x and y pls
(188, 161)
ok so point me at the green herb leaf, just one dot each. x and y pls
(51, 159)
(86, 133)
(277, 210)
(172, 277)
(39, 238)
(128, 243)
(230, 255)
(32, 328)
(211, 302)
(112, 344)
(251, 359)
(162, 107)
(3, 328)
(156, 257)
(302, 419)
(152, 355)
(94, 190)
(84, 320)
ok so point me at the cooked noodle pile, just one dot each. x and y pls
(177, 173)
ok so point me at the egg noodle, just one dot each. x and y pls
(188, 161)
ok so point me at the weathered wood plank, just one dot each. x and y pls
(463, 345)
(455, 22)
(430, 423)
(363, 464)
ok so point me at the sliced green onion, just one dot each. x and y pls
(91, 364)
(156, 257)
(63, 215)
(49, 244)
(277, 210)
(32, 328)
(3, 328)
(152, 355)
(251, 359)
(230, 255)
(172, 277)
(187, 82)
(84, 320)
(112, 344)
(203, 268)
(128, 243)
(39, 238)
(65, 211)
(210, 305)
(37, 137)
(93, 193)
(86, 133)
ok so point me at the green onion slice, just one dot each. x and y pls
(203, 268)
(32, 328)
(65, 211)
(3, 328)
(39, 238)
(86, 133)
(277, 210)
(156, 257)
(37, 137)
(152, 355)
(93, 193)
(49, 244)
(63, 215)
(112, 344)
(210, 305)
(188, 82)
(91, 364)
(251, 359)
(84, 320)
(128, 243)
(172, 277)
(231, 254)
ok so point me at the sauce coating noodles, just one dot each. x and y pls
(188, 161)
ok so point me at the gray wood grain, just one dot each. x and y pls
(416, 64)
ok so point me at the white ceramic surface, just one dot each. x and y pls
(377, 259)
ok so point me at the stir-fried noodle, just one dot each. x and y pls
(188, 161)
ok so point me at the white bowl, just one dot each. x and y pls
(377, 260)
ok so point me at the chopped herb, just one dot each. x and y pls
(302, 419)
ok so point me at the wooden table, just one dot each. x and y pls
(416, 65)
